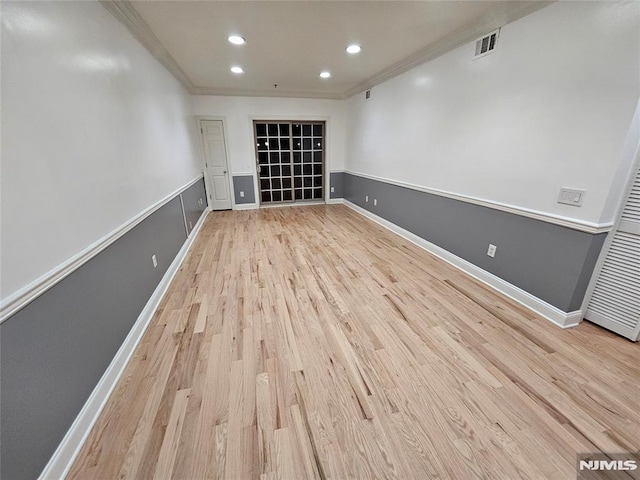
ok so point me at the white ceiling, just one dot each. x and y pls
(290, 42)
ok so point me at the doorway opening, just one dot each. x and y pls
(290, 161)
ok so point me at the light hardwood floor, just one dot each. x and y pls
(308, 342)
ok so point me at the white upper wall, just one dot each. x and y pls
(94, 131)
(550, 108)
(239, 113)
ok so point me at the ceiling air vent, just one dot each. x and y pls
(487, 44)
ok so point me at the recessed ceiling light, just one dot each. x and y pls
(237, 70)
(325, 74)
(236, 39)
(353, 49)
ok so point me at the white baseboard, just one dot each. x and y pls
(254, 206)
(540, 307)
(572, 319)
(64, 456)
(332, 201)
(246, 206)
(301, 203)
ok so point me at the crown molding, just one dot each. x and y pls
(127, 15)
(455, 39)
(124, 12)
(236, 92)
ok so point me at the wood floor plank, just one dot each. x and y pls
(134, 456)
(311, 343)
(309, 459)
(265, 425)
(213, 391)
(169, 449)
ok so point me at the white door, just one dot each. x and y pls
(615, 302)
(215, 155)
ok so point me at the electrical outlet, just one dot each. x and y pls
(375, 202)
(492, 250)
(366, 198)
(199, 202)
(190, 225)
(333, 190)
(241, 194)
(154, 260)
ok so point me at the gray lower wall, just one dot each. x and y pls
(336, 181)
(54, 351)
(243, 183)
(194, 200)
(553, 263)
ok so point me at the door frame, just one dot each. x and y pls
(293, 201)
(203, 157)
(292, 118)
(633, 168)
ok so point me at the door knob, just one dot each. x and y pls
(224, 172)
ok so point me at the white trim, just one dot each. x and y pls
(572, 319)
(128, 16)
(334, 201)
(628, 332)
(294, 204)
(33, 290)
(245, 206)
(292, 118)
(64, 456)
(604, 251)
(540, 307)
(184, 216)
(254, 163)
(574, 224)
(243, 92)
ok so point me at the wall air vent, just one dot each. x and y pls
(486, 44)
